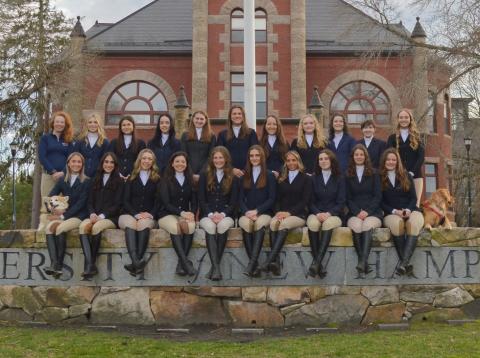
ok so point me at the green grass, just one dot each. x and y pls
(422, 340)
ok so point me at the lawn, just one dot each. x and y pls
(422, 340)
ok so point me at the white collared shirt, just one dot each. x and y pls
(144, 175)
(219, 173)
(236, 131)
(404, 133)
(309, 139)
(92, 139)
(256, 172)
(73, 177)
(360, 169)
(391, 177)
(337, 138)
(367, 141)
(127, 140)
(326, 175)
(272, 138)
(180, 178)
(164, 138)
(292, 174)
(106, 176)
(199, 133)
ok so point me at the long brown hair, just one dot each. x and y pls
(206, 129)
(334, 166)
(227, 170)
(81, 175)
(154, 171)
(169, 173)
(351, 171)
(120, 140)
(244, 130)
(412, 128)
(331, 130)
(301, 167)
(400, 172)
(262, 178)
(319, 140)
(282, 142)
(67, 133)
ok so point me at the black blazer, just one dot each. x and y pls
(365, 195)
(396, 198)
(198, 152)
(77, 197)
(412, 159)
(309, 156)
(164, 152)
(261, 199)
(92, 155)
(126, 156)
(139, 198)
(216, 200)
(343, 151)
(107, 199)
(375, 150)
(238, 147)
(177, 198)
(328, 198)
(295, 197)
(275, 159)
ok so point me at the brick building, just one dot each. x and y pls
(361, 68)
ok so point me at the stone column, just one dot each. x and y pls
(420, 76)
(298, 58)
(200, 54)
(182, 113)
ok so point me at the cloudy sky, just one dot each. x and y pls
(114, 10)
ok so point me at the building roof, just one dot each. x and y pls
(166, 26)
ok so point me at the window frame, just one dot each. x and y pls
(235, 14)
(257, 85)
(427, 175)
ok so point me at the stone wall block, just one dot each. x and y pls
(381, 295)
(316, 293)
(6, 295)
(439, 315)
(17, 239)
(78, 310)
(421, 294)
(24, 298)
(253, 314)
(14, 315)
(254, 294)
(454, 298)
(231, 292)
(54, 314)
(282, 296)
(390, 313)
(473, 289)
(343, 290)
(40, 293)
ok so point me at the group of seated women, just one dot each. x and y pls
(261, 185)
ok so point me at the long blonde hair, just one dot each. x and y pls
(319, 140)
(154, 172)
(301, 167)
(412, 128)
(81, 175)
(101, 132)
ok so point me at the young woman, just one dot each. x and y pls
(399, 205)
(104, 206)
(177, 216)
(292, 199)
(126, 146)
(257, 197)
(406, 140)
(274, 144)
(164, 143)
(218, 195)
(198, 141)
(237, 138)
(140, 205)
(92, 143)
(309, 142)
(340, 142)
(326, 207)
(363, 201)
(375, 146)
(75, 186)
(54, 149)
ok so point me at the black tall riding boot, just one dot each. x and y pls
(314, 238)
(356, 238)
(87, 253)
(61, 241)
(410, 245)
(399, 243)
(272, 264)
(251, 269)
(247, 242)
(187, 265)
(52, 252)
(367, 237)
(187, 245)
(131, 243)
(143, 237)
(95, 242)
(322, 250)
(221, 244)
(212, 248)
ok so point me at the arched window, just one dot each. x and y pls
(141, 100)
(362, 100)
(238, 24)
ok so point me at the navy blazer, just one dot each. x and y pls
(412, 159)
(275, 159)
(394, 197)
(53, 153)
(216, 200)
(198, 151)
(238, 147)
(261, 199)
(107, 199)
(343, 151)
(126, 156)
(177, 198)
(163, 152)
(77, 197)
(375, 150)
(139, 198)
(309, 156)
(295, 197)
(328, 198)
(365, 195)
(92, 155)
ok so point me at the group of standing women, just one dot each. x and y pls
(266, 183)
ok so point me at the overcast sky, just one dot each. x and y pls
(115, 10)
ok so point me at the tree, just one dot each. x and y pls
(23, 202)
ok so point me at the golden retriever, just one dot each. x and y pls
(435, 209)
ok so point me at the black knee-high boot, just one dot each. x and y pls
(322, 250)
(247, 242)
(272, 264)
(187, 245)
(356, 238)
(399, 242)
(212, 248)
(61, 241)
(187, 265)
(251, 269)
(314, 238)
(95, 242)
(222, 244)
(367, 237)
(410, 245)
(87, 253)
(143, 237)
(131, 243)
(52, 252)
